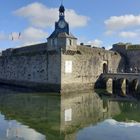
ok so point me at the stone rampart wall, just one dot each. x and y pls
(30, 68)
(133, 57)
(87, 66)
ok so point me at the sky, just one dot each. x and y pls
(100, 23)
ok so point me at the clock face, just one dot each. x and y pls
(61, 24)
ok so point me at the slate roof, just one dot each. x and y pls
(61, 34)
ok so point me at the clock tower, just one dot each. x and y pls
(61, 37)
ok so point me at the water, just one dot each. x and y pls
(79, 116)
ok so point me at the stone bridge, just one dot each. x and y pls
(127, 83)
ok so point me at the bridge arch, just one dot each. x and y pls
(134, 85)
(122, 85)
(125, 82)
(108, 84)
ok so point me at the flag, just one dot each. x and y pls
(19, 35)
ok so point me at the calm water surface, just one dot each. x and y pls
(32, 116)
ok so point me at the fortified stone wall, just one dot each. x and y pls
(40, 69)
(121, 48)
(134, 60)
(80, 70)
(131, 54)
(70, 70)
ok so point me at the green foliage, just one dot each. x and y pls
(129, 112)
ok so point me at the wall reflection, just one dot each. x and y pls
(57, 117)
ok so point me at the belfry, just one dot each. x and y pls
(61, 36)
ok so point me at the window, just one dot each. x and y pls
(70, 42)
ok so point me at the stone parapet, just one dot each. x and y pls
(25, 50)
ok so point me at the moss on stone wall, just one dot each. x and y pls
(133, 47)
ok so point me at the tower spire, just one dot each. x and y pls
(61, 11)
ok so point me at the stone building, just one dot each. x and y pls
(60, 65)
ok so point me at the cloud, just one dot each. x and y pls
(121, 22)
(124, 26)
(128, 34)
(121, 124)
(109, 32)
(95, 43)
(124, 34)
(33, 35)
(76, 20)
(42, 16)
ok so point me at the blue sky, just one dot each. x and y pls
(96, 22)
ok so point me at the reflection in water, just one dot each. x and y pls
(15, 131)
(67, 117)
(111, 129)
